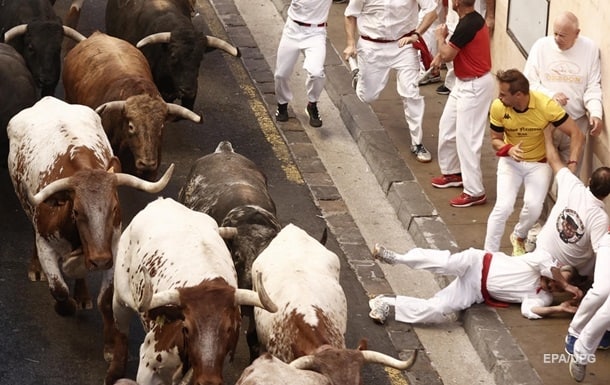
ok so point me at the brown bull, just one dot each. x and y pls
(113, 77)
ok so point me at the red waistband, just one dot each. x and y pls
(384, 40)
(488, 299)
(309, 24)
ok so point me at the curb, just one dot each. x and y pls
(497, 348)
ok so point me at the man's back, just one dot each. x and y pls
(575, 225)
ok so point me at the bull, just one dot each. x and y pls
(325, 366)
(233, 190)
(18, 91)
(163, 29)
(175, 270)
(36, 32)
(113, 77)
(308, 330)
(63, 171)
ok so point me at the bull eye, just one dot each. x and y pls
(132, 129)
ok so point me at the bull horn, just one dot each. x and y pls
(73, 34)
(110, 106)
(227, 232)
(123, 179)
(14, 32)
(380, 358)
(147, 292)
(182, 112)
(258, 298)
(223, 45)
(303, 362)
(50, 189)
(188, 377)
(160, 37)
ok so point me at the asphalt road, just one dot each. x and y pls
(39, 347)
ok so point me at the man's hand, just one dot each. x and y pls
(576, 292)
(561, 98)
(516, 152)
(568, 306)
(596, 126)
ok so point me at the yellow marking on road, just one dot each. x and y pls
(265, 122)
(396, 377)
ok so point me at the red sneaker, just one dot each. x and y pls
(465, 200)
(449, 180)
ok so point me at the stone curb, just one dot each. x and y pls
(496, 347)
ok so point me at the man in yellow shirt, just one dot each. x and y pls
(518, 118)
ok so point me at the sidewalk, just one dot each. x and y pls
(514, 350)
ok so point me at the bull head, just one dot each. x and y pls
(210, 41)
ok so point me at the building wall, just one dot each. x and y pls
(593, 16)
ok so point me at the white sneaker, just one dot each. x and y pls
(421, 153)
(379, 309)
(384, 255)
(577, 371)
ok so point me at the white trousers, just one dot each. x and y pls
(461, 131)
(592, 318)
(460, 294)
(296, 39)
(375, 61)
(536, 179)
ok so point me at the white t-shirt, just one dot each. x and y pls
(309, 11)
(575, 226)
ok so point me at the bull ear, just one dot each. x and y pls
(114, 166)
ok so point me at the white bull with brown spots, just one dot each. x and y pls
(174, 269)
(63, 171)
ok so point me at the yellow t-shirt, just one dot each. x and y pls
(527, 127)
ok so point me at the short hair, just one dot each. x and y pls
(515, 79)
(599, 184)
(469, 3)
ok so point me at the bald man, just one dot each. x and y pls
(566, 67)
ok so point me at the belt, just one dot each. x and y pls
(384, 40)
(472, 78)
(488, 299)
(309, 24)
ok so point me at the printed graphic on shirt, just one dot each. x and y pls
(569, 226)
(564, 72)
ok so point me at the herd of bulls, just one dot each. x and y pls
(190, 268)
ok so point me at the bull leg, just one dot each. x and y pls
(122, 316)
(104, 304)
(81, 294)
(35, 272)
(64, 305)
(251, 335)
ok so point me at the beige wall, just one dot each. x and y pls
(594, 16)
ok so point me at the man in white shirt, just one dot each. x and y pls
(381, 34)
(304, 31)
(566, 67)
(494, 278)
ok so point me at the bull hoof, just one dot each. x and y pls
(36, 276)
(66, 308)
(85, 304)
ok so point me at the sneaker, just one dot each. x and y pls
(465, 200)
(518, 245)
(604, 344)
(384, 255)
(379, 309)
(281, 115)
(314, 116)
(442, 90)
(429, 79)
(421, 153)
(447, 180)
(569, 343)
(577, 371)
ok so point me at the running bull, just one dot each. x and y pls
(113, 77)
(174, 269)
(163, 29)
(66, 178)
(36, 32)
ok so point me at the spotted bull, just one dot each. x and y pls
(113, 77)
(233, 190)
(175, 270)
(36, 32)
(302, 277)
(63, 171)
(174, 48)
